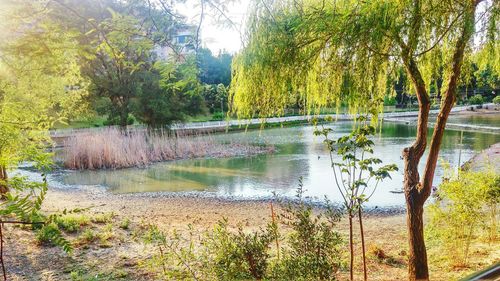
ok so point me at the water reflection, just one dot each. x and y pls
(300, 154)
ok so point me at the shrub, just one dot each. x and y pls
(476, 100)
(217, 116)
(496, 100)
(125, 224)
(103, 218)
(309, 251)
(461, 211)
(50, 234)
(116, 121)
(389, 100)
(88, 236)
(72, 223)
(239, 255)
(313, 245)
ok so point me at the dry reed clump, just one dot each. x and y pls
(113, 149)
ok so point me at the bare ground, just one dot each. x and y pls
(121, 256)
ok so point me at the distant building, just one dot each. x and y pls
(183, 43)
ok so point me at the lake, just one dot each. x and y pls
(299, 155)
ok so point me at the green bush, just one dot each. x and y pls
(476, 100)
(72, 223)
(103, 218)
(115, 120)
(125, 224)
(50, 234)
(239, 255)
(389, 100)
(464, 210)
(313, 249)
(218, 115)
(496, 100)
(88, 236)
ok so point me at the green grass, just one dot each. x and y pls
(98, 121)
(125, 224)
(72, 223)
(103, 218)
(89, 122)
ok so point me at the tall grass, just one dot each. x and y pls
(112, 149)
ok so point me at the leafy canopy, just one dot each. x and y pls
(345, 52)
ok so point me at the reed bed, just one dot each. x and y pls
(114, 149)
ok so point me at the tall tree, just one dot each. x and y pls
(334, 52)
(40, 83)
(122, 54)
(121, 40)
(170, 93)
(214, 70)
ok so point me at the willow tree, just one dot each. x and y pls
(328, 53)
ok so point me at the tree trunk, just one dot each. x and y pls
(363, 248)
(417, 259)
(3, 181)
(123, 119)
(416, 191)
(351, 249)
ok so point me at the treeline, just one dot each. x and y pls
(128, 57)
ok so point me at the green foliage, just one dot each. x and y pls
(132, 61)
(354, 172)
(310, 250)
(356, 168)
(115, 120)
(348, 52)
(72, 223)
(174, 250)
(476, 100)
(117, 60)
(125, 224)
(23, 203)
(239, 255)
(389, 101)
(174, 93)
(40, 83)
(50, 234)
(103, 218)
(496, 100)
(465, 206)
(214, 70)
(218, 116)
(216, 97)
(88, 236)
(313, 246)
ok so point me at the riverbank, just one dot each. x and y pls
(117, 252)
(124, 253)
(109, 240)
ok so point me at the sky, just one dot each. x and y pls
(215, 35)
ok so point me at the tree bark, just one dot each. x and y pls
(351, 249)
(417, 261)
(417, 256)
(416, 191)
(363, 248)
(3, 181)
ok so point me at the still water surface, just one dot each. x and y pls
(299, 154)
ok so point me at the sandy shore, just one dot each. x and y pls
(28, 261)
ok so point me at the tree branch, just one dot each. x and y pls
(447, 104)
